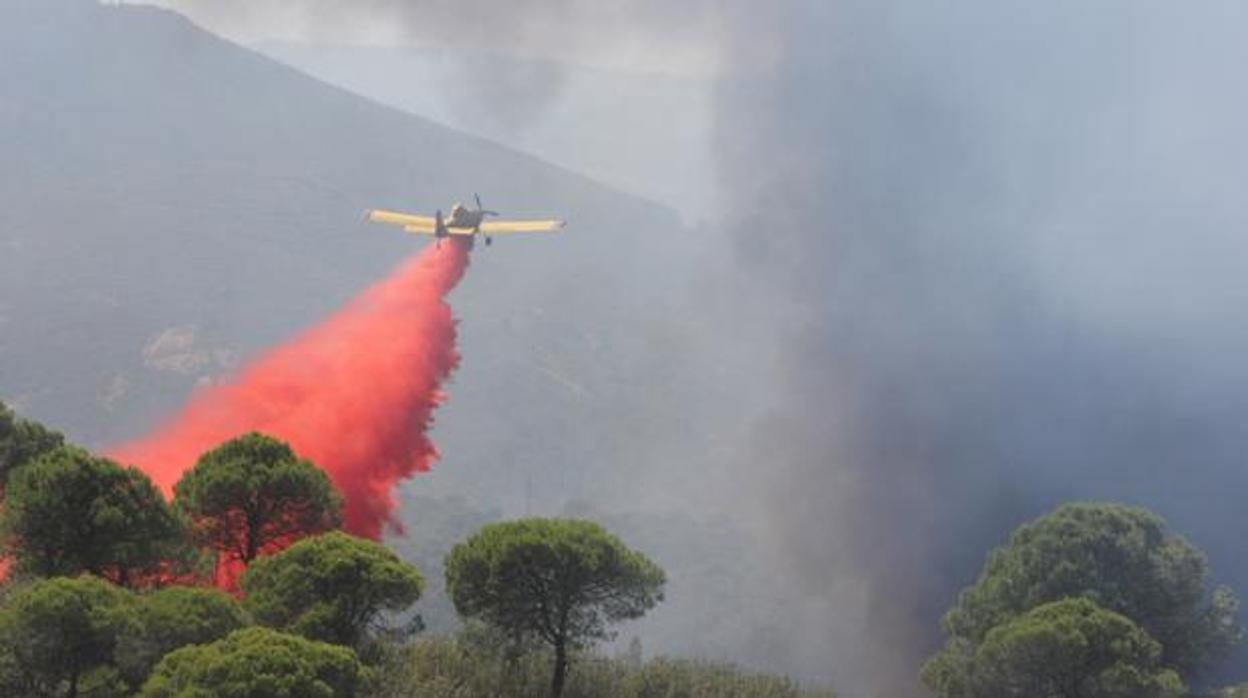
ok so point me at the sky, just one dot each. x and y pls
(634, 35)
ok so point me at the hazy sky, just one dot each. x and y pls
(642, 35)
(526, 74)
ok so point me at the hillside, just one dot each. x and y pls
(173, 202)
(647, 133)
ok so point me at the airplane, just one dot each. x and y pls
(463, 222)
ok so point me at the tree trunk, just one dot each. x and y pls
(252, 548)
(561, 670)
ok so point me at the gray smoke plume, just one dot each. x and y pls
(1001, 247)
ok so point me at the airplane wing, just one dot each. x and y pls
(406, 220)
(544, 225)
(420, 229)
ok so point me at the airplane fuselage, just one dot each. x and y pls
(463, 217)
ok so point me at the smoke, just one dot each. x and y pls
(993, 245)
(355, 394)
(580, 31)
(508, 61)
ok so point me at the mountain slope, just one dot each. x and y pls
(643, 133)
(174, 203)
(171, 204)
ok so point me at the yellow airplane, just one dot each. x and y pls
(463, 221)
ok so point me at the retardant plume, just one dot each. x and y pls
(355, 394)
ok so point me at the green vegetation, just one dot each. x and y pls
(332, 588)
(257, 663)
(1072, 648)
(22, 440)
(175, 617)
(60, 637)
(1092, 600)
(1119, 557)
(86, 636)
(460, 667)
(253, 495)
(69, 512)
(563, 582)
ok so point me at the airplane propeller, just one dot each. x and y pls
(482, 208)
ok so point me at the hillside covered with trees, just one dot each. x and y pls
(242, 587)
